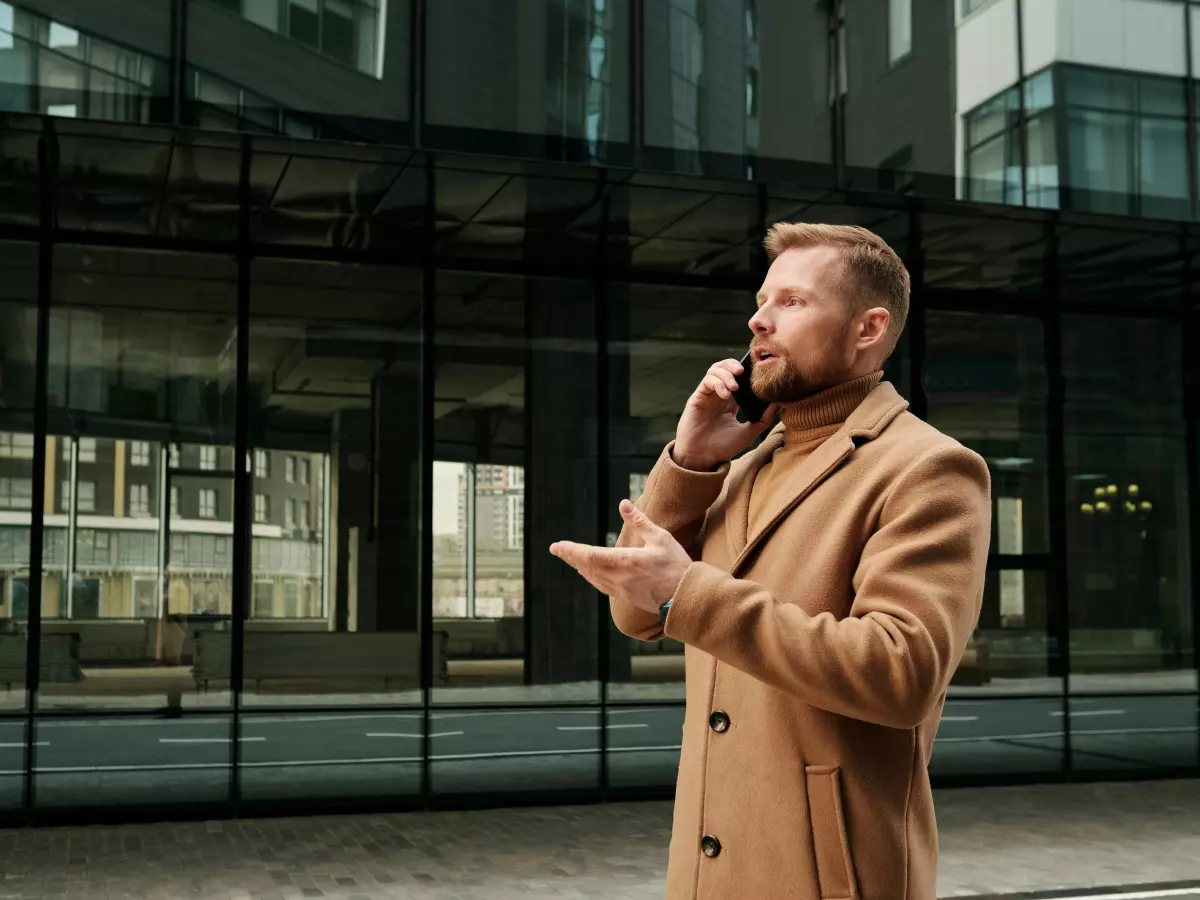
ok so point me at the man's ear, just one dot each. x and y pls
(874, 328)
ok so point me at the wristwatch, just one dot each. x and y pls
(664, 609)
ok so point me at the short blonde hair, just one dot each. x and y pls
(873, 274)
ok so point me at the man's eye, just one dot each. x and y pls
(794, 301)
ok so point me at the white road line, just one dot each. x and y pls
(22, 744)
(1058, 713)
(517, 712)
(209, 740)
(960, 718)
(390, 734)
(136, 723)
(610, 726)
(1177, 729)
(284, 718)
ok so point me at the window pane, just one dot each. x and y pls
(139, 352)
(535, 626)
(556, 69)
(1101, 163)
(1163, 164)
(338, 537)
(18, 338)
(1127, 529)
(697, 59)
(339, 73)
(73, 71)
(899, 29)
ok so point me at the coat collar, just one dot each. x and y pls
(865, 424)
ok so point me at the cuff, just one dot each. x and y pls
(691, 617)
(676, 480)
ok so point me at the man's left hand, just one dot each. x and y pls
(644, 576)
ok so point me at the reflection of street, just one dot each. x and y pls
(976, 736)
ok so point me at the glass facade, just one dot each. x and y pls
(324, 318)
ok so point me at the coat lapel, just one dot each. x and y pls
(865, 424)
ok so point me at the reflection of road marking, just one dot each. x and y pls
(515, 712)
(960, 718)
(1094, 732)
(1177, 729)
(609, 726)
(22, 744)
(125, 723)
(517, 753)
(208, 740)
(284, 719)
(1138, 895)
(1058, 713)
(394, 734)
(999, 737)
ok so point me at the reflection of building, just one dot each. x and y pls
(244, 225)
(120, 549)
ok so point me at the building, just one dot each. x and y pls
(321, 319)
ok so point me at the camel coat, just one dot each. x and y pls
(818, 652)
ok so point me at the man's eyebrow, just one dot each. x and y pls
(786, 289)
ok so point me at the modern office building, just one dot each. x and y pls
(321, 319)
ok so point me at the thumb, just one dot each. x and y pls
(638, 520)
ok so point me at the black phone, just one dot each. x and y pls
(750, 407)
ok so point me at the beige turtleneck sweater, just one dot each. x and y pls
(807, 424)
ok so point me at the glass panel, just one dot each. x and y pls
(1127, 528)
(1131, 732)
(506, 347)
(1041, 166)
(362, 758)
(12, 762)
(1099, 88)
(100, 66)
(336, 69)
(662, 341)
(982, 739)
(514, 751)
(335, 367)
(82, 764)
(1162, 168)
(1100, 166)
(142, 355)
(699, 57)
(555, 69)
(985, 381)
(993, 174)
(643, 746)
(18, 343)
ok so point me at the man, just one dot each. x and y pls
(825, 586)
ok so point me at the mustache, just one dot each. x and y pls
(756, 345)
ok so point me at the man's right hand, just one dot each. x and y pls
(709, 434)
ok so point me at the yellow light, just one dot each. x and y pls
(1100, 491)
(1103, 507)
(1133, 490)
(1112, 490)
(1087, 509)
(1130, 506)
(1146, 506)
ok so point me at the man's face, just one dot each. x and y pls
(803, 330)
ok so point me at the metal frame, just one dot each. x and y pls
(1048, 309)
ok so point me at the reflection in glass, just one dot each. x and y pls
(142, 354)
(571, 82)
(1133, 733)
(18, 338)
(518, 624)
(51, 68)
(96, 763)
(335, 596)
(1127, 530)
(988, 738)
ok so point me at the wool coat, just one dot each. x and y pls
(818, 653)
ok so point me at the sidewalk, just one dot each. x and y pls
(994, 841)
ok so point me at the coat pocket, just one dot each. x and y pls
(835, 866)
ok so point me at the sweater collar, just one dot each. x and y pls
(825, 412)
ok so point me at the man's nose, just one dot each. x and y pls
(759, 323)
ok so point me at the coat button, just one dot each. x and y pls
(710, 845)
(719, 722)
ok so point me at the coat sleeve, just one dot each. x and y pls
(676, 499)
(918, 588)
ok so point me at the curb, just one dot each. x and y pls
(1130, 891)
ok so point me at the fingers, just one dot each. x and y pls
(639, 521)
(599, 565)
(720, 380)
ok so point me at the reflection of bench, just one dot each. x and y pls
(58, 661)
(393, 658)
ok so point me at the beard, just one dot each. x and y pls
(790, 380)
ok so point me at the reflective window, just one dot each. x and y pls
(733, 79)
(105, 70)
(518, 624)
(1127, 537)
(138, 348)
(900, 25)
(334, 69)
(555, 69)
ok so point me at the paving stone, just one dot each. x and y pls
(993, 841)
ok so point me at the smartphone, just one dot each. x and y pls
(750, 407)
